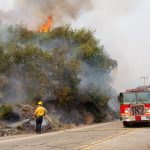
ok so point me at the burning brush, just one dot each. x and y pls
(46, 26)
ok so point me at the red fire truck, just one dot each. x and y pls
(135, 105)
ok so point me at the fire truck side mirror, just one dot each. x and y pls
(120, 98)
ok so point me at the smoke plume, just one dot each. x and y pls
(34, 12)
(122, 26)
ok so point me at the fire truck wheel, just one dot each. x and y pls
(126, 124)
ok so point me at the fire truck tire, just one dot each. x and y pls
(126, 124)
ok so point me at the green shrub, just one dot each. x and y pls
(5, 110)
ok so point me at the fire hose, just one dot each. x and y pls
(50, 120)
(47, 117)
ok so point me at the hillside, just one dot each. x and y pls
(67, 68)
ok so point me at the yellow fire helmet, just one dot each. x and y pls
(40, 103)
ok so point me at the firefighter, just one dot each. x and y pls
(39, 113)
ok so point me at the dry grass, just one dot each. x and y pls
(68, 126)
(88, 118)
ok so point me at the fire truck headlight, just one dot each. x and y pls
(147, 110)
(127, 110)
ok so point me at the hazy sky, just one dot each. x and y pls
(6, 4)
(123, 26)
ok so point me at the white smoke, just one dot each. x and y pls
(123, 28)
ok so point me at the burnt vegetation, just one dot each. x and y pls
(66, 67)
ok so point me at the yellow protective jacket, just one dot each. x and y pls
(40, 111)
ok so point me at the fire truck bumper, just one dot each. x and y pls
(135, 118)
(127, 118)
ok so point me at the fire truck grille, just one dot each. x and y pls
(137, 110)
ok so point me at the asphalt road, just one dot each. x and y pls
(106, 136)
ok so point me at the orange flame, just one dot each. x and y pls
(46, 26)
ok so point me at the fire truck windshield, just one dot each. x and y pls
(137, 97)
(143, 97)
(129, 98)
